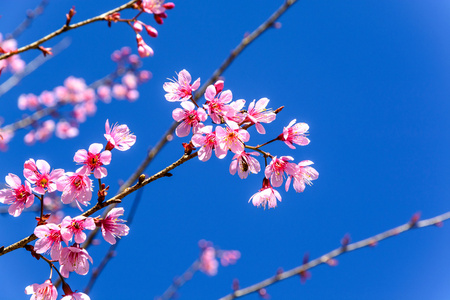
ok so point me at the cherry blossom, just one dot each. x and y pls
(232, 137)
(75, 226)
(93, 160)
(49, 238)
(76, 187)
(111, 227)
(38, 173)
(144, 50)
(45, 291)
(229, 257)
(65, 130)
(208, 261)
(18, 195)
(266, 196)
(74, 259)
(76, 296)
(181, 89)
(304, 174)
(295, 134)
(277, 167)
(189, 117)
(243, 163)
(207, 140)
(217, 107)
(119, 137)
(257, 114)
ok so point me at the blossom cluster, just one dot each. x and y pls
(76, 187)
(209, 255)
(79, 100)
(231, 135)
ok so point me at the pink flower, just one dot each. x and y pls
(229, 257)
(217, 108)
(275, 170)
(76, 296)
(153, 6)
(295, 134)
(233, 137)
(119, 137)
(17, 194)
(39, 174)
(181, 90)
(206, 139)
(74, 259)
(49, 239)
(304, 174)
(64, 130)
(75, 226)
(257, 114)
(266, 196)
(45, 291)
(93, 160)
(208, 261)
(189, 117)
(111, 227)
(243, 163)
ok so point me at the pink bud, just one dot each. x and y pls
(151, 31)
(137, 26)
(169, 5)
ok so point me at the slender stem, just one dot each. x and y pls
(369, 242)
(271, 141)
(264, 153)
(180, 281)
(65, 28)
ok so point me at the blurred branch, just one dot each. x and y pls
(371, 241)
(32, 66)
(66, 28)
(31, 15)
(180, 281)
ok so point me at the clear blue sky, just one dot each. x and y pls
(371, 78)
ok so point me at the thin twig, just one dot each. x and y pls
(180, 281)
(65, 28)
(372, 241)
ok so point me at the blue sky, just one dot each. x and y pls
(369, 77)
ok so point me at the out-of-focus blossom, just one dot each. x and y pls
(93, 160)
(229, 257)
(208, 261)
(189, 118)
(295, 134)
(5, 137)
(13, 63)
(45, 291)
(181, 89)
(74, 259)
(64, 130)
(104, 93)
(28, 101)
(266, 196)
(38, 173)
(304, 174)
(112, 226)
(277, 167)
(18, 195)
(243, 163)
(119, 137)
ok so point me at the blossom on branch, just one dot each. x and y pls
(18, 195)
(257, 114)
(75, 226)
(216, 104)
(49, 238)
(74, 259)
(45, 291)
(188, 117)
(111, 227)
(181, 89)
(243, 163)
(207, 140)
(119, 137)
(38, 173)
(277, 167)
(93, 160)
(295, 134)
(304, 174)
(232, 137)
(266, 196)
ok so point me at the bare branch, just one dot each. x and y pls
(371, 241)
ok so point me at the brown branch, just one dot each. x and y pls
(65, 28)
(116, 199)
(372, 241)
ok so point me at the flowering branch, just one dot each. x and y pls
(67, 27)
(326, 258)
